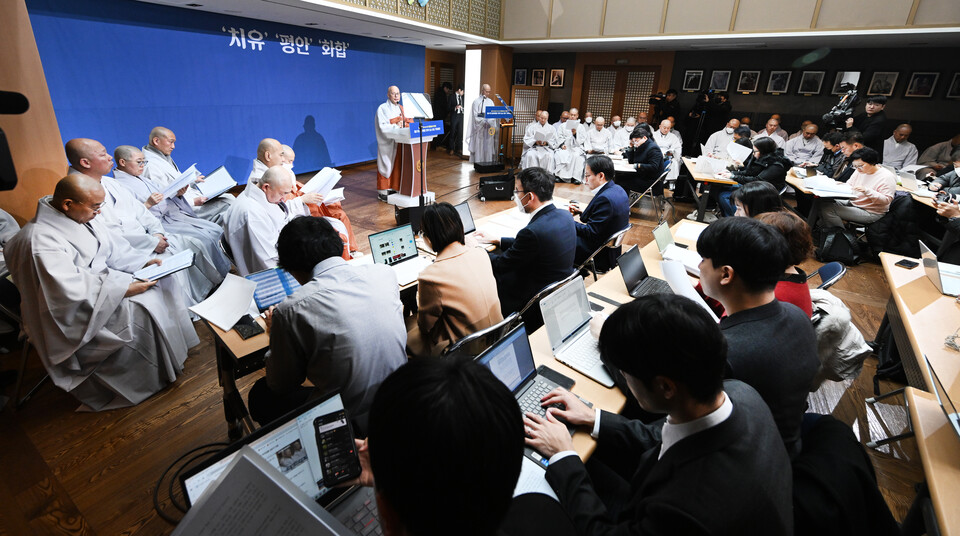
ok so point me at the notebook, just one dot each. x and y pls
(397, 249)
(511, 361)
(566, 314)
(670, 251)
(171, 264)
(944, 276)
(273, 285)
(635, 276)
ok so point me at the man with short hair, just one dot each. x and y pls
(322, 331)
(670, 145)
(106, 338)
(389, 119)
(667, 107)
(937, 157)
(805, 150)
(607, 213)
(950, 181)
(597, 139)
(539, 143)
(717, 467)
(799, 133)
(771, 345)
(615, 125)
(832, 154)
(559, 125)
(745, 122)
(162, 170)
(253, 223)
(455, 139)
(642, 118)
(484, 132)
(780, 131)
(898, 152)
(874, 186)
(542, 252)
(646, 158)
(569, 158)
(621, 138)
(871, 123)
(716, 146)
(852, 141)
(770, 131)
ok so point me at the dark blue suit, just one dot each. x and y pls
(607, 213)
(542, 253)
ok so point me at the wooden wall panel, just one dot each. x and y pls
(441, 56)
(663, 60)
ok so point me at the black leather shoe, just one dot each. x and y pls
(575, 181)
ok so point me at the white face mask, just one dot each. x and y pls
(728, 130)
(616, 123)
(288, 166)
(588, 120)
(628, 128)
(517, 199)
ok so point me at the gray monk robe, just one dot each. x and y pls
(162, 170)
(106, 350)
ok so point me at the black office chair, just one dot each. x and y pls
(225, 248)
(531, 315)
(10, 308)
(829, 274)
(475, 343)
(615, 240)
(657, 194)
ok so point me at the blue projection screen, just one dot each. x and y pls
(117, 68)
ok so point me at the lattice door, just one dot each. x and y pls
(525, 104)
(600, 92)
(637, 95)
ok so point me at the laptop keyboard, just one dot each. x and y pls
(582, 354)
(530, 401)
(651, 285)
(363, 520)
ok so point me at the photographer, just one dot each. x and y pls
(665, 105)
(872, 123)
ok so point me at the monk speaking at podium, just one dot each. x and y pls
(389, 118)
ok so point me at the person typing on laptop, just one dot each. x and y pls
(343, 329)
(607, 213)
(719, 466)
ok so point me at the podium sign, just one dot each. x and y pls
(430, 128)
(498, 112)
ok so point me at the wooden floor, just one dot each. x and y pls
(94, 473)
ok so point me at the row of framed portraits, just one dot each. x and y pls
(920, 84)
(538, 77)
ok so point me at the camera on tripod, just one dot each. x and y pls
(657, 98)
(837, 116)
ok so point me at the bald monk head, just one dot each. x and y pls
(288, 155)
(277, 183)
(163, 140)
(89, 157)
(129, 159)
(902, 133)
(270, 152)
(78, 197)
(485, 90)
(564, 116)
(393, 94)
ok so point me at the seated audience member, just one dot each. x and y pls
(569, 157)
(768, 165)
(716, 146)
(720, 467)
(745, 122)
(402, 460)
(106, 338)
(806, 149)
(898, 152)
(646, 158)
(832, 155)
(621, 139)
(871, 123)
(792, 287)
(322, 332)
(253, 223)
(559, 125)
(799, 133)
(950, 181)
(874, 186)
(771, 344)
(780, 131)
(457, 294)
(596, 138)
(539, 153)
(937, 157)
(756, 198)
(771, 131)
(670, 145)
(542, 252)
(949, 250)
(607, 213)
(852, 141)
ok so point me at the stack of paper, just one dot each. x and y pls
(230, 301)
(216, 183)
(335, 196)
(572, 124)
(171, 264)
(738, 152)
(322, 182)
(673, 272)
(710, 166)
(824, 186)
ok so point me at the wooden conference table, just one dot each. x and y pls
(707, 181)
(939, 448)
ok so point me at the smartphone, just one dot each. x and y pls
(906, 263)
(339, 460)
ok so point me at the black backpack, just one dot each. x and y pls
(889, 365)
(838, 244)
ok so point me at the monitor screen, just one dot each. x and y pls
(510, 359)
(466, 217)
(564, 311)
(944, 398)
(393, 245)
(663, 237)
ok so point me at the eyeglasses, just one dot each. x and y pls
(140, 162)
(857, 166)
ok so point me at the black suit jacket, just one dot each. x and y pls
(542, 253)
(873, 129)
(647, 160)
(731, 479)
(607, 213)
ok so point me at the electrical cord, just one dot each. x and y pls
(156, 489)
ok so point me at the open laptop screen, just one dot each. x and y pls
(941, 392)
(662, 236)
(510, 359)
(466, 217)
(565, 311)
(631, 267)
(393, 245)
(273, 285)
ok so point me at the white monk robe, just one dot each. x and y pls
(799, 150)
(776, 139)
(162, 170)
(252, 226)
(899, 155)
(597, 140)
(539, 155)
(106, 350)
(177, 217)
(386, 121)
(296, 206)
(569, 161)
(717, 144)
(670, 144)
(484, 133)
(621, 138)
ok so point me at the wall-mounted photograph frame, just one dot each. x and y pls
(749, 82)
(779, 81)
(692, 80)
(953, 90)
(882, 83)
(537, 76)
(719, 80)
(842, 77)
(811, 82)
(921, 85)
(556, 77)
(519, 77)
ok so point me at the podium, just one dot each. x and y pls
(408, 163)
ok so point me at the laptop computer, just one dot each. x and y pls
(566, 314)
(944, 276)
(397, 249)
(466, 217)
(290, 445)
(943, 398)
(635, 276)
(511, 361)
(273, 285)
(671, 251)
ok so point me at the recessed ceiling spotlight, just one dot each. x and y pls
(386, 36)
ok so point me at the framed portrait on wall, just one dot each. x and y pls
(749, 81)
(719, 80)
(537, 76)
(921, 85)
(953, 90)
(844, 77)
(881, 83)
(811, 82)
(779, 81)
(692, 80)
(556, 77)
(519, 77)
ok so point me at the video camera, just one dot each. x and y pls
(837, 116)
(656, 99)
